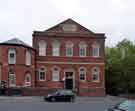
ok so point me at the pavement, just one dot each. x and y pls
(36, 103)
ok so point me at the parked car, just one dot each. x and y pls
(127, 105)
(61, 95)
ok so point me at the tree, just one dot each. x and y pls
(120, 68)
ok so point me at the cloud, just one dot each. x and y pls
(113, 17)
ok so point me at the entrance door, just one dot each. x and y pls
(69, 80)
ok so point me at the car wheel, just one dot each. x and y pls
(53, 99)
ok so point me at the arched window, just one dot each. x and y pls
(69, 48)
(95, 74)
(12, 78)
(95, 50)
(56, 74)
(82, 49)
(42, 48)
(27, 79)
(55, 48)
(82, 72)
(28, 57)
(42, 74)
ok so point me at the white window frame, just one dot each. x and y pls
(82, 73)
(42, 48)
(97, 47)
(55, 48)
(28, 58)
(11, 60)
(42, 71)
(69, 46)
(12, 75)
(96, 73)
(0, 72)
(82, 46)
(55, 74)
(27, 84)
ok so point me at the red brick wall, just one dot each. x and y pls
(20, 67)
(83, 88)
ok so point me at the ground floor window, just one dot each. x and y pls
(12, 79)
(27, 80)
(82, 74)
(95, 74)
(42, 74)
(55, 74)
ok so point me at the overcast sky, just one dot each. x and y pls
(116, 18)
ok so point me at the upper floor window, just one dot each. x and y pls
(12, 78)
(27, 79)
(42, 48)
(42, 74)
(11, 56)
(55, 74)
(82, 73)
(95, 74)
(69, 49)
(56, 48)
(95, 50)
(28, 58)
(82, 49)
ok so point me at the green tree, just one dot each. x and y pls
(120, 68)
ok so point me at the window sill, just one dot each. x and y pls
(42, 80)
(97, 81)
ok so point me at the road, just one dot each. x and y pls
(37, 104)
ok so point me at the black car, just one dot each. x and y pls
(61, 95)
(127, 105)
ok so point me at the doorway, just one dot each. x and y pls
(69, 80)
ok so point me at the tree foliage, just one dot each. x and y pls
(120, 68)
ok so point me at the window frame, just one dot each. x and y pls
(83, 46)
(13, 60)
(97, 47)
(42, 48)
(96, 73)
(28, 84)
(69, 45)
(54, 74)
(84, 73)
(55, 48)
(27, 57)
(42, 70)
(9, 78)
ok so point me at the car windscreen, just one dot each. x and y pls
(128, 105)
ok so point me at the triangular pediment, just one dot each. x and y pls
(68, 26)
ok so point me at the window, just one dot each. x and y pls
(95, 51)
(0, 73)
(55, 49)
(82, 49)
(55, 74)
(11, 56)
(28, 58)
(82, 74)
(95, 74)
(42, 48)
(42, 74)
(69, 49)
(12, 78)
(27, 80)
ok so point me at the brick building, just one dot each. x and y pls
(72, 57)
(17, 64)
(67, 55)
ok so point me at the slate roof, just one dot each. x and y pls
(15, 41)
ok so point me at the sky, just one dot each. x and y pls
(115, 18)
